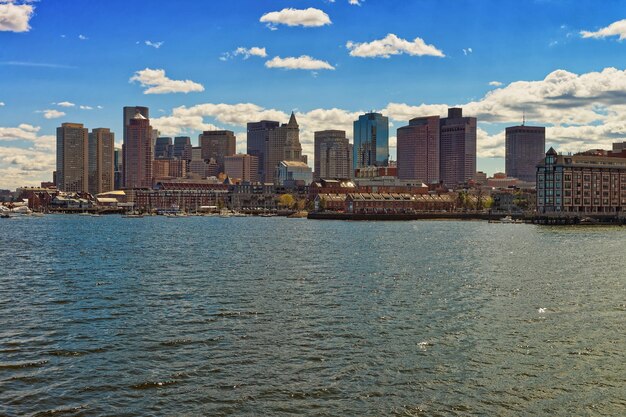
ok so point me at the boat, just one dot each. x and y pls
(4, 215)
(507, 219)
(132, 216)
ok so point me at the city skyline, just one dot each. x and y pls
(253, 70)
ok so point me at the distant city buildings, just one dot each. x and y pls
(418, 150)
(163, 148)
(182, 147)
(216, 145)
(117, 163)
(101, 161)
(72, 173)
(371, 140)
(258, 136)
(242, 168)
(525, 148)
(333, 155)
(457, 148)
(138, 152)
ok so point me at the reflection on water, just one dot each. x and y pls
(273, 316)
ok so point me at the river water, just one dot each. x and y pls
(274, 316)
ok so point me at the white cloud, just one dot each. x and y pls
(65, 104)
(99, 107)
(392, 45)
(467, 51)
(310, 17)
(247, 52)
(158, 83)
(304, 62)
(85, 107)
(155, 45)
(51, 113)
(23, 132)
(356, 2)
(15, 17)
(1, 103)
(614, 29)
(495, 83)
(82, 37)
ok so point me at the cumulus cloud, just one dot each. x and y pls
(29, 163)
(82, 37)
(392, 45)
(304, 62)
(155, 45)
(356, 2)
(467, 51)
(158, 83)
(15, 17)
(614, 29)
(51, 113)
(65, 104)
(85, 107)
(581, 111)
(1, 103)
(495, 83)
(310, 17)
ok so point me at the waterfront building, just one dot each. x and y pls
(581, 184)
(138, 153)
(371, 141)
(418, 150)
(292, 173)
(217, 144)
(457, 148)
(101, 161)
(333, 155)
(242, 167)
(525, 148)
(163, 148)
(182, 147)
(72, 173)
(257, 138)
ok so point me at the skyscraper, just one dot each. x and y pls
(182, 147)
(258, 135)
(217, 144)
(72, 158)
(333, 155)
(117, 163)
(371, 141)
(418, 150)
(101, 161)
(525, 148)
(138, 153)
(283, 144)
(163, 148)
(457, 148)
(128, 113)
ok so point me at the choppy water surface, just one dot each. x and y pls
(272, 316)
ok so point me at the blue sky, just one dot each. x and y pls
(562, 62)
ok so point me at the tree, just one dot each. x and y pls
(286, 200)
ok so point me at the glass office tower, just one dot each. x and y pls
(371, 141)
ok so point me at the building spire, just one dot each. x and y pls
(524, 118)
(292, 120)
